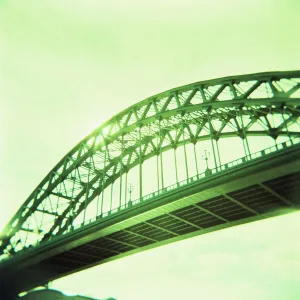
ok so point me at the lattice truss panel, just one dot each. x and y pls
(265, 104)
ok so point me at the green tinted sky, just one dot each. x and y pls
(67, 66)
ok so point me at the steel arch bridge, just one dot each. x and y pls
(171, 130)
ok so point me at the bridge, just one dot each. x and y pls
(185, 162)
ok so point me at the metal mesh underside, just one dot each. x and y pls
(185, 220)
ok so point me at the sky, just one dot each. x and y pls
(68, 66)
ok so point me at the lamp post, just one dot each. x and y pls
(205, 157)
(130, 189)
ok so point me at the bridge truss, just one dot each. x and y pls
(92, 180)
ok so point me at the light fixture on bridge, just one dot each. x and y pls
(130, 189)
(205, 157)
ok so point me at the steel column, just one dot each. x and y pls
(161, 157)
(103, 177)
(211, 138)
(140, 164)
(185, 156)
(176, 171)
(121, 174)
(196, 161)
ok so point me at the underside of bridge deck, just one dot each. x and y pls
(256, 190)
(82, 214)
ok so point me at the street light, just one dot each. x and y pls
(205, 157)
(130, 189)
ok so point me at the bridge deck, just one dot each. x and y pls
(257, 189)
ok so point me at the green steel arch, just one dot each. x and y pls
(237, 106)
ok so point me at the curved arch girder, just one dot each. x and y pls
(204, 110)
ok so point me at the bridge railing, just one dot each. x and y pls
(186, 182)
(196, 178)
